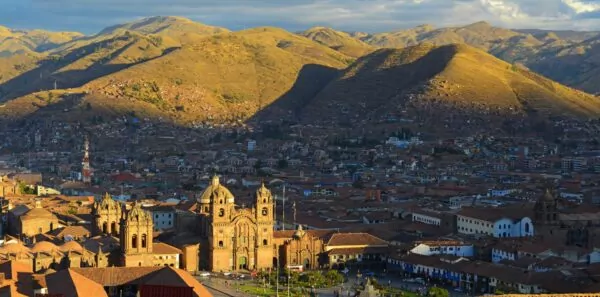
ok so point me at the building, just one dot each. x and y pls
(107, 215)
(123, 281)
(347, 249)
(496, 222)
(426, 217)
(136, 237)
(303, 250)
(36, 221)
(443, 247)
(163, 216)
(238, 238)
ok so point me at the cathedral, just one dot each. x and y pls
(238, 238)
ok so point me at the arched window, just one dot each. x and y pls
(220, 243)
(526, 227)
(221, 212)
(134, 241)
(265, 211)
(105, 227)
(143, 240)
(113, 228)
(265, 242)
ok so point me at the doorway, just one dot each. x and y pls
(243, 263)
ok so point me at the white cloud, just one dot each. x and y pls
(363, 15)
(581, 6)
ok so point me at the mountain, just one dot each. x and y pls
(182, 71)
(438, 82)
(480, 34)
(224, 76)
(556, 54)
(31, 42)
(577, 64)
(569, 35)
(337, 40)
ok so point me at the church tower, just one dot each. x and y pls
(546, 209)
(107, 214)
(136, 237)
(264, 225)
(86, 170)
(221, 231)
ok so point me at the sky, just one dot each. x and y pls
(90, 16)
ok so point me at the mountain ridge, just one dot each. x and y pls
(176, 69)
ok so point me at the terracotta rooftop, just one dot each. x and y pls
(69, 283)
(358, 239)
(164, 249)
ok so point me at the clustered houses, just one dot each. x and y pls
(467, 207)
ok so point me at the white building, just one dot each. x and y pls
(163, 216)
(496, 222)
(443, 247)
(426, 217)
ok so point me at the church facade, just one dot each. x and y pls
(238, 238)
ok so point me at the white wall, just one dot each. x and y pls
(460, 250)
(499, 255)
(507, 228)
(467, 225)
(430, 220)
(501, 228)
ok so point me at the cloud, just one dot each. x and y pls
(91, 16)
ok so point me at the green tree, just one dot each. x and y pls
(437, 292)
(334, 277)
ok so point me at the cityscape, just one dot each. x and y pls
(167, 157)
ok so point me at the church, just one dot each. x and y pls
(238, 238)
(134, 229)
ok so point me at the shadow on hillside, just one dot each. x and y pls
(44, 76)
(311, 79)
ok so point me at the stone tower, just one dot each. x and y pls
(264, 224)
(107, 214)
(136, 237)
(546, 209)
(221, 235)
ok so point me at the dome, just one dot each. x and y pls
(71, 246)
(38, 213)
(43, 246)
(216, 191)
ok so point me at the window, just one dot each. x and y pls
(143, 240)
(134, 241)
(265, 242)
(265, 211)
(220, 243)
(221, 212)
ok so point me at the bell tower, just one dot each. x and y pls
(107, 214)
(221, 202)
(546, 209)
(136, 237)
(264, 226)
